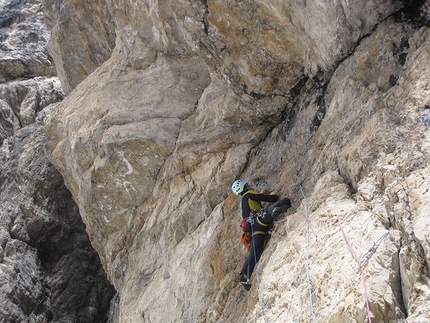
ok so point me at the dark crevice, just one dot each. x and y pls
(257, 95)
(294, 91)
(320, 114)
(402, 58)
(205, 17)
(297, 88)
(404, 44)
(400, 296)
(289, 121)
(400, 51)
(412, 12)
(393, 79)
(349, 182)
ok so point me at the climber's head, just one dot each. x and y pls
(239, 187)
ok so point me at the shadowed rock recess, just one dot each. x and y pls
(48, 270)
(169, 101)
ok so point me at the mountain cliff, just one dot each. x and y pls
(326, 102)
(48, 270)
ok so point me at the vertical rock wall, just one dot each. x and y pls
(330, 95)
(23, 41)
(48, 270)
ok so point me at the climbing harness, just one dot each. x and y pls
(246, 235)
(261, 223)
(361, 263)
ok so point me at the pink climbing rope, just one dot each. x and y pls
(366, 296)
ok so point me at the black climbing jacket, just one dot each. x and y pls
(251, 200)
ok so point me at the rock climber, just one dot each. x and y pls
(256, 222)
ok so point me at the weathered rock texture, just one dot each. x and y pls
(83, 36)
(23, 40)
(48, 270)
(332, 95)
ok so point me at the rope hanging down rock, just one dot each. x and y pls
(361, 263)
(307, 256)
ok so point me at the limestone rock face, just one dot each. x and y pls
(83, 37)
(48, 270)
(21, 101)
(24, 37)
(325, 102)
(272, 47)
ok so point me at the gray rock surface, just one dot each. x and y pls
(23, 41)
(48, 270)
(83, 37)
(332, 95)
(21, 101)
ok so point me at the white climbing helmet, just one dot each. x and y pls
(239, 186)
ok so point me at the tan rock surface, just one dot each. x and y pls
(150, 144)
(82, 38)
